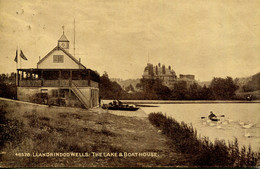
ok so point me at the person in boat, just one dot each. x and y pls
(115, 103)
(212, 115)
(119, 103)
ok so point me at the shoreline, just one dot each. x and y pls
(185, 101)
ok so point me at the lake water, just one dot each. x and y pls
(239, 117)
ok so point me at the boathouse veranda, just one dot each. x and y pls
(62, 87)
(57, 78)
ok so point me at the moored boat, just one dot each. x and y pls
(118, 105)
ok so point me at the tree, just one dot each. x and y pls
(130, 88)
(108, 89)
(205, 93)
(223, 88)
(193, 91)
(180, 90)
(139, 86)
(154, 89)
(7, 86)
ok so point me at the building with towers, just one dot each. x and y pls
(166, 74)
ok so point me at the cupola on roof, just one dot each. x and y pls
(63, 38)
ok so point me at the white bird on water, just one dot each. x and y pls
(247, 134)
(225, 122)
(212, 124)
(219, 127)
(219, 122)
(248, 126)
(230, 120)
(241, 123)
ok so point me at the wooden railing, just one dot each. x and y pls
(56, 83)
(33, 83)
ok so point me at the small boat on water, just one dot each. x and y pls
(118, 105)
(214, 119)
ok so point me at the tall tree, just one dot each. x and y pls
(223, 88)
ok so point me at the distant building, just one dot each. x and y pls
(166, 74)
(59, 79)
(189, 79)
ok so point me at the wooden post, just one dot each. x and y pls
(70, 78)
(88, 77)
(17, 78)
(59, 77)
(41, 77)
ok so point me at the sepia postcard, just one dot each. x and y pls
(129, 83)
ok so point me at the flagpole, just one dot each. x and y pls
(74, 38)
(17, 56)
(17, 72)
(20, 60)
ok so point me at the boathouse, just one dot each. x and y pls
(59, 79)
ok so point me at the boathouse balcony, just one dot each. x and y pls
(57, 78)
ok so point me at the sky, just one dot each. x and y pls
(206, 38)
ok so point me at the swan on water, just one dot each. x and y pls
(225, 122)
(230, 120)
(247, 134)
(248, 126)
(212, 124)
(241, 123)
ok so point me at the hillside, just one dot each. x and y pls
(251, 84)
(126, 83)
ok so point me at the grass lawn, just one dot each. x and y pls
(33, 130)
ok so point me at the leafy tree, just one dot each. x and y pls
(154, 89)
(8, 86)
(223, 88)
(108, 89)
(205, 93)
(193, 91)
(180, 90)
(130, 88)
(139, 86)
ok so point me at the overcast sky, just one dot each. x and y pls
(207, 38)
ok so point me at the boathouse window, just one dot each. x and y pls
(58, 59)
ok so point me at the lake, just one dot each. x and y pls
(241, 120)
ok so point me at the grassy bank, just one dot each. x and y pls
(201, 151)
(32, 128)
